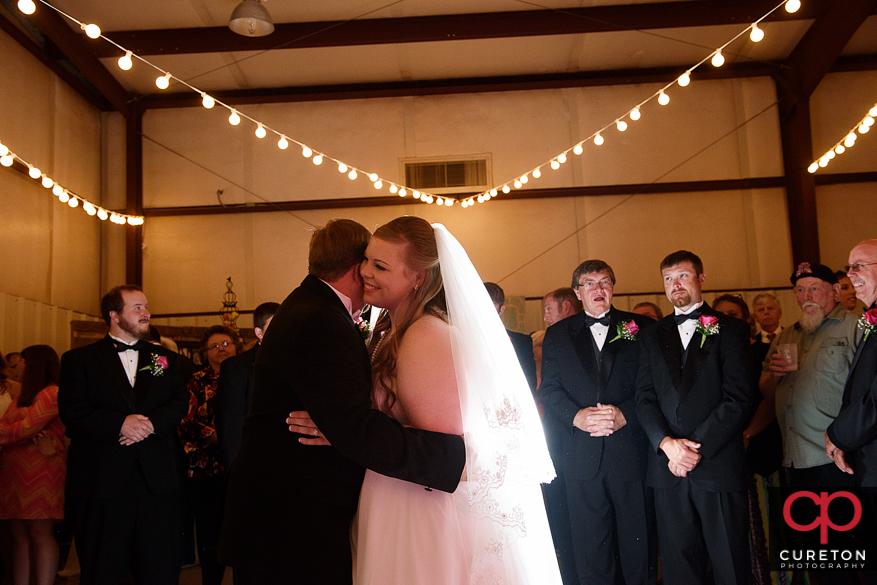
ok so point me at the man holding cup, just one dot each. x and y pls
(805, 371)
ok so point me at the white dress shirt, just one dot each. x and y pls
(129, 359)
(688, 327)
(599, 331)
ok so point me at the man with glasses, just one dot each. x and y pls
(589, 365)
(851, 440)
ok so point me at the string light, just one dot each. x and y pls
(234, 119)
(318, 160)
(92, 31)
(684, 79)
(283, 143)
(793, 6)
(598, 139)
(27, 6)
(207, 101)
(351, 175)
(125, 62)
(635, 114)
(718, 59)
(306, 152)
(663, 98)
(863, 126)
(756, 35)
(163, 82)
(621, 125)
(536, 174)
(379, 185)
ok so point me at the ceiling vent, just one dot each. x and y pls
(444, 176)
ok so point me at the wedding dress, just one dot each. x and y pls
(493, 529)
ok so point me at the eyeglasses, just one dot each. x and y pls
(857, 267)
(218, 345)
(593, 284)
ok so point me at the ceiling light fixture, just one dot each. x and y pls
(251, 19)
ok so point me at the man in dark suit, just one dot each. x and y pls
(235, 389)
(121, 400)
(694, 394)
(523, 344)
(851, 440)
(289, 505)
(589, 364)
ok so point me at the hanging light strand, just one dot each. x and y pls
(862, 127)
(8, 158)
(235, 116)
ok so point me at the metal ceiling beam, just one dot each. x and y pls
(484, 84)
(456, 27)
(801, 74)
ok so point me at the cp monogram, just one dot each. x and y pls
(822, 521)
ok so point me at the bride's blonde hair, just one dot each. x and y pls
(421, 254)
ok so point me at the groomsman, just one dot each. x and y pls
(523, 344)
(694, 391)
(589, 365)
(122, 400)
(851, 440)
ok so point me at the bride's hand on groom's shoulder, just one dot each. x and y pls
(300, 422)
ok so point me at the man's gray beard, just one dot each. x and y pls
(129, 329)
(811, 320)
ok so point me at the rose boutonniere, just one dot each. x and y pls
(364, 327)
(707, 325)
(868, 323)
(157, 366)
(626, 331)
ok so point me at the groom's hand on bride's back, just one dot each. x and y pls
(300, 422)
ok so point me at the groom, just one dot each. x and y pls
(289, 506)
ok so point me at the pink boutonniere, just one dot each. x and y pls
(157, 366)
(626, 331)
(364, 328)
(707, 325)
(868, 323)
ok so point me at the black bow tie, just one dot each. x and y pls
(680, 319)
(604, 320)
(120, 347)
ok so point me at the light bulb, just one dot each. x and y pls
(3, 150)
(793, 6)
(429, 199)
(403, 192)
(493, 192)
(318, 160)
(163, 82)
(868, 121)
(57, 190)
(635, 114)
(125, 62)
(621, 125)
(342, 168)
(34, 173)
(373, 177)
(465, 204)
(394, 189)
(74, 202)
(823, 162)
(306, 152)
(684, 79)
(234, 119)
(506, 189)
(555, 165)
(756, 35)
(132, 221)
(27, 6)
(598, 139)
(561, 158)
(102, 214)
(47, 182)
(379, 185)
(64, 197)
(663, 99)
(840, 149)
(449, 202)
(537, 173)
(873, 111)
(524, 178)
(517, 184)
(813, 168)
(718, 59)
(115, 218)
(351, 175)
(260, 131)
(863, 129)
(439, 201)
(830, 154)
(416, 194)
(850, 140)
(577, 149)
(6, 161)
(91, 30)
(283, 143)
(481, 199)
(89, 208)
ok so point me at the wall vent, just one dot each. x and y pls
(444, 176)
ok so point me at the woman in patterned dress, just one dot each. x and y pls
(34, 468)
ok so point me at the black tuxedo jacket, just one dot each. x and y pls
(855, 429)
(232, 402)
(313, 358)
(94, 397)
(523, 345)
(707, 400)
(571, 381)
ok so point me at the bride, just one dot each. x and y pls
(441, 361)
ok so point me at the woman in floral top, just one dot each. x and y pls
(198, 434)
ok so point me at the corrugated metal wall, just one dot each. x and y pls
(24, 322)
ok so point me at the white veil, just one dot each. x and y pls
(506, 454)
